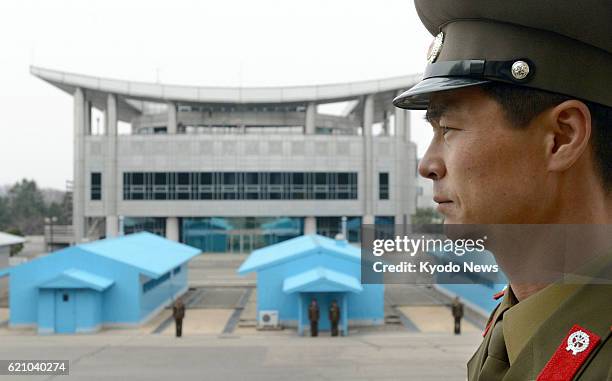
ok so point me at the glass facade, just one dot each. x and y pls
(155, 225)
(245, 234)
(96, 186)
(384, 227)
(238, 234)
(383, 186)
(331, 226)
(240, 186)
(384, 220)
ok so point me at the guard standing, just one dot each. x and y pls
(518, 95)
(334, 317)
(313, 316)
(178, 312)
(457, 308)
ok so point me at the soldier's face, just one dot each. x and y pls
(484, 169)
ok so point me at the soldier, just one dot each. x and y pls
(518, 94)
(178, 312)
(457, 309)
(334, 317)
(313, 316)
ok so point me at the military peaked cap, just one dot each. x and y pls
(561, 46)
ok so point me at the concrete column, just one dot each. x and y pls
(172, 228)
(311, 115)
(172, 118)
(385, 123)
(367, 219)
(78, 183)
(112, 226)
(109, 179)
(310, 225)
(88, 118)
(368, 160)
(407, 126)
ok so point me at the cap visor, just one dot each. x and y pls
(417, 97)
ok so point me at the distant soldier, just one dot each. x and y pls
(313, 316)
(178, 312)
(334, 317)
(457, 308)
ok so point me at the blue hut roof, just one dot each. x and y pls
(150, 253)
(321, 279)
(296, 248)
(73, 278)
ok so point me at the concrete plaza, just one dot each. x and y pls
(272, 356)
(221, 342)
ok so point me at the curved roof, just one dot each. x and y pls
(207, 94)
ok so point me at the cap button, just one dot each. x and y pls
(520, 70)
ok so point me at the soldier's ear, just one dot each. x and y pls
(570, 131)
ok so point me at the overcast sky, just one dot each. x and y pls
(205, 42)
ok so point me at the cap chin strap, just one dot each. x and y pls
(480, 69)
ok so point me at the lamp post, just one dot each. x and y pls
(50, 221)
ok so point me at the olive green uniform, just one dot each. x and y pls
(178, 312)
(457, 309)
(334, 318)
(522, 337)
(559, 46)
(313, 316)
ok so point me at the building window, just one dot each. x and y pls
(238, 234)
(240, 186)
(383, 186)
(384, 227)
(155, 225)
(96, 186)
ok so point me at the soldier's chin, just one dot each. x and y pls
(452, 220)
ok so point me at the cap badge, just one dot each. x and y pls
(520, 70)
(435, 48)
(577, 342)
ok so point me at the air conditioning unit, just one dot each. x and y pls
(268, 319)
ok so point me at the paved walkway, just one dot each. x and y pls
(219, 270)
(435, 319)
(221, 341)
(202, 321)
(367, 356)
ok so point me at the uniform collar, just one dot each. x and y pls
(575, 303)
(523, 319)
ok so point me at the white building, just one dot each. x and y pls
(425, 193)
(231, 169)
(6, 242)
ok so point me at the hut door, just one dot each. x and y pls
(65, 311)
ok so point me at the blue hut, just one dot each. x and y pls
(291, 273)
(121, 281)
